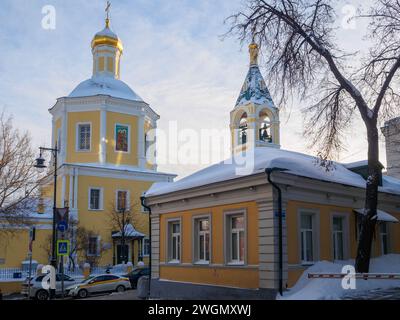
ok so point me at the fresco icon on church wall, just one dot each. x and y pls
(121, 138)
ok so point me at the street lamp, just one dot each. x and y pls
(40, 164)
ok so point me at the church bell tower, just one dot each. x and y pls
(254, 121)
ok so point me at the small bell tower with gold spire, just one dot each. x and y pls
(254, 119)
(107, 50)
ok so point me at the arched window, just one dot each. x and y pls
(265, 128)
(243, 129)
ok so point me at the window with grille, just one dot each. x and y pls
(84, 137)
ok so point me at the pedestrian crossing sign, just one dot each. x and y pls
(62, 248)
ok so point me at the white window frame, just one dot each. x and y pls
(346, 235)
(100, 200)
(228, 236)
(169, 241)
(196, 239)
(128, 202)
(316, 235)
(97, 254)
(77, 140)
(143, 246)
(129, 137)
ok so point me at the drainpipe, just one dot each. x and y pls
(143, 201)
(269, 171)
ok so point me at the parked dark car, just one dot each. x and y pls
(136, 274)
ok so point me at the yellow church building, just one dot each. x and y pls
(216, 233)
(102, 130)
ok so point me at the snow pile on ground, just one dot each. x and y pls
(331, 289)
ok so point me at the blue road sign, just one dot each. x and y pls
(62, 247)
(62, 226)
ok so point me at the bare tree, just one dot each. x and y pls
(121, 216)
(19, 180)
(83, 236)
(298, 40)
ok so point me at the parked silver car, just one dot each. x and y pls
(100, 283)
(38, 292)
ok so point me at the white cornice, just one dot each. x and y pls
(99, 102)
(117, 173)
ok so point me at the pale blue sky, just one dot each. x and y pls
(173, 58)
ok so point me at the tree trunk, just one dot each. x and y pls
(371, 202)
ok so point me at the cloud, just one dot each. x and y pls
(174, 59)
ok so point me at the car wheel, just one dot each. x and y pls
(42, 295)
(120, 289)
(83, 293)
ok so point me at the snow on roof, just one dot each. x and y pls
(356, 164)
(130, 232)
(296, 163)
(119, 167)
(254, 89)
(105, 85)
(30, 210)
(392, 121)
(382, 215)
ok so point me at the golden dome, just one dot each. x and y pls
(107, 37)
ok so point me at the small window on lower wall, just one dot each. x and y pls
(201, 240)
(174, 241)
(146, 247)
(235, 238)
(93, 246)
(307, 237)
(338, 237)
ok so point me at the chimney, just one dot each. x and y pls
(391, 131)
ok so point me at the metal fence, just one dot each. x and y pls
(19, 273)
(13, 273)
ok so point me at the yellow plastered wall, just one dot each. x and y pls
(99, 221)
(14, 247)
(325, 245)
(242, 277)
(117, 157)
(74, 118)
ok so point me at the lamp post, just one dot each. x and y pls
(40, 163)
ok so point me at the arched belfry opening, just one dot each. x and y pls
(254, 119)
(264, 127)
(243, 129)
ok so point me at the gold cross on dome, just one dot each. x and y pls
(108, 8)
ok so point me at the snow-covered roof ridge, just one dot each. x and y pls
(103, 85)
(130, 232)
(254, 89)
(392, 121)
(261, 158)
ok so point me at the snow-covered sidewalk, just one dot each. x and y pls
(331, 289)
